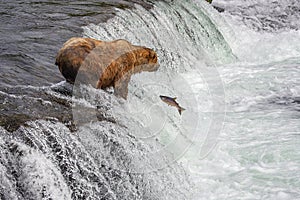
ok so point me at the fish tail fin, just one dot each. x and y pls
(180, 109)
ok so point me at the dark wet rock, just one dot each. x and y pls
(219, 9)
(296, 100)
(21, 104)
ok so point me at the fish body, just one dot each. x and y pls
(171, 102)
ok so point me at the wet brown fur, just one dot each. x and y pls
(103, 64)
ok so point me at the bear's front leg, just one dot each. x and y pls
(121, 85)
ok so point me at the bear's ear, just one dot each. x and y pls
(153, 55)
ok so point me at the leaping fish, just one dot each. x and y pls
(172, 102)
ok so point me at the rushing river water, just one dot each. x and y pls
(237, 74)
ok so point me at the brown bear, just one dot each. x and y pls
(103, 64)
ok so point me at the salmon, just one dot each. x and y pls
(171, 102)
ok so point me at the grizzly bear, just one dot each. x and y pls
(104, 64)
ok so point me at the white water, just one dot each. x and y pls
(257, 151)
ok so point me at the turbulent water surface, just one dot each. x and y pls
(236, 73)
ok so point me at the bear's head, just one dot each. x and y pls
(147, 59)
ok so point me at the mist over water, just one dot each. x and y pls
(237, 75)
